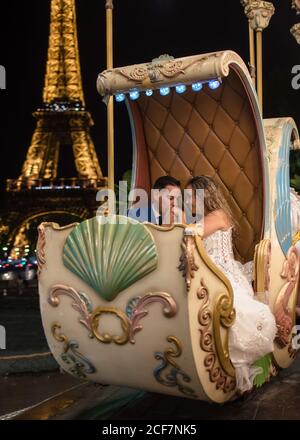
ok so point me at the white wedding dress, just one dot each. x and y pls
(253, 332)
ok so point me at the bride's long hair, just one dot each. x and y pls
(213, 197)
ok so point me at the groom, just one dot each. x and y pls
(161, 208)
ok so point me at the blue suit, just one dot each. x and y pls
(145, 214)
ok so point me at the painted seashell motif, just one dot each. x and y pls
(110, 256)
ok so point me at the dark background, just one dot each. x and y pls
(143, 29)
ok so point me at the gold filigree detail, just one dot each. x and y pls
(284, 315)
(58, 336)
(224, 316)
(224, 312)
(187, 260)
(223, 381)
(136, 310)
(106, 338)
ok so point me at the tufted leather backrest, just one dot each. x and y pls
(211, 133)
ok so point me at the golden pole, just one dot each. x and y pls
(252, 61)
(259, 69)
(110, 106)
(252, 55)
(259, 14)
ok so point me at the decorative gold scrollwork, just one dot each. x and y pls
(136, 310)
(78, 365)
(223, 313)
(55, 330)
(217, 375)
(187, 260)
(173, 375)
(106, 338)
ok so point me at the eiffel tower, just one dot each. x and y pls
(39, 193)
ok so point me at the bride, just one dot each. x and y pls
(251, 336)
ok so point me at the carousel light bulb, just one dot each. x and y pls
(214, 84)
(149, 92)
(120, 97)
(164, 91)
(181, 88)
(196, 87)
(134, 95)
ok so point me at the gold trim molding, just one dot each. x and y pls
(222, 380)
(187, 260)
(223, 312)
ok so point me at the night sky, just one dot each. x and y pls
(144, 29)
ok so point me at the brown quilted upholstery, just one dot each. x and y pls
(212, 133)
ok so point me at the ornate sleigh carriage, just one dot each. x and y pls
(144, 306)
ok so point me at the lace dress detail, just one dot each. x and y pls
(252, 335)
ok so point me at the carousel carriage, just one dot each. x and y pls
(144, 306)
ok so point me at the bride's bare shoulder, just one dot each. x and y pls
(221, 217)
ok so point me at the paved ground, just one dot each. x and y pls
(23, 391)
(21, 318)
(66, 398)
(26, 346)
(277, 400)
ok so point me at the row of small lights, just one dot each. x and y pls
(164, 91)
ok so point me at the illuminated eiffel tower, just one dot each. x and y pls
(63, 119)
(62, 123)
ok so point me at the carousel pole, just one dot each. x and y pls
(110, 106)
(259, 14)
(259, 69)
(252, 63)
(252, 55)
